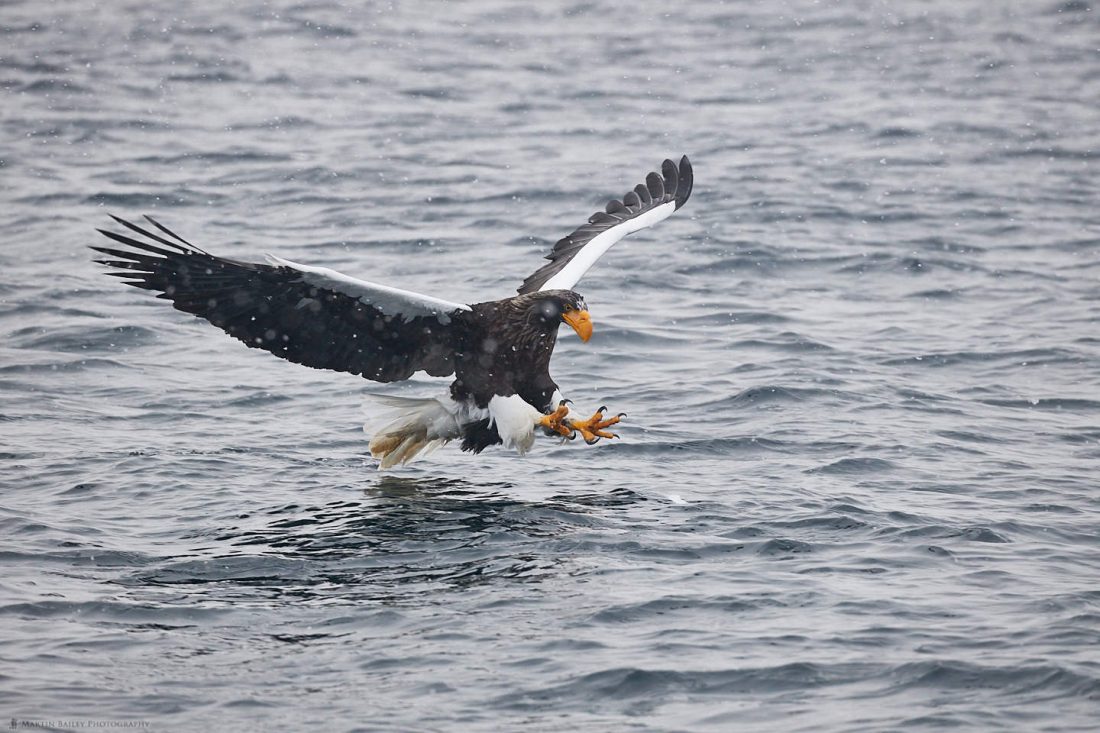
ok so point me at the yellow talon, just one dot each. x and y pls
(592, 429)
(556, 421)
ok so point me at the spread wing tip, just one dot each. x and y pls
(677, 179)
(687, 178)
(180, 244)
(672, 185)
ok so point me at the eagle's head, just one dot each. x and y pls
(549, 308)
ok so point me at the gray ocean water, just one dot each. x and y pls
(857, 488)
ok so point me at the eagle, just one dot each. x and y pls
(498, 351)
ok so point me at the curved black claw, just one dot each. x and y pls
(596, 426)
(557, 421)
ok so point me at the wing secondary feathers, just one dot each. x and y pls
(644, 206)
(311, 316)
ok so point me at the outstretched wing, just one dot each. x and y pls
(647, 204)
(308, 315)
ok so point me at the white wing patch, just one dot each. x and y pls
(393, 301)
(571, 274)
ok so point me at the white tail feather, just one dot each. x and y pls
(402, 428)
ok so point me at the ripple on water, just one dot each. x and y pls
(623, 688)
(854, 466)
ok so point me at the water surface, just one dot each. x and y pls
(857, 487)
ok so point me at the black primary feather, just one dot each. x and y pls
(272, 308)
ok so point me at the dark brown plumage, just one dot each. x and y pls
(503, 348)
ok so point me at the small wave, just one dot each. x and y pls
(1058, 404)
(850, 466)
(79, 338)
(1022, 356)
(783, 547)
(221, 158)
(288, 122)
(940, 531)
(47, 86)
(258, 398)
(440, 94)
(935, 294)
(840, 523)
(82, 556)
(108, 611)
(897, 132)
(34, 67)
(325, 30)
(1008, 681)
(205, 77)
(733, 317)
(208, 31)
(54, 365)
(751, 262)
(1070, 6)
(742, 446)
(968, 437)
(768, 394)
(246, 570)
(623, 687)
(787, 341)
(1052, 153)
(673, 605)
(887, 262)
(153, 201)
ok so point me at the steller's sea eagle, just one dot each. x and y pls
(499, 351)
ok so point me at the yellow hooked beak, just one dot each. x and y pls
(581, 322)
